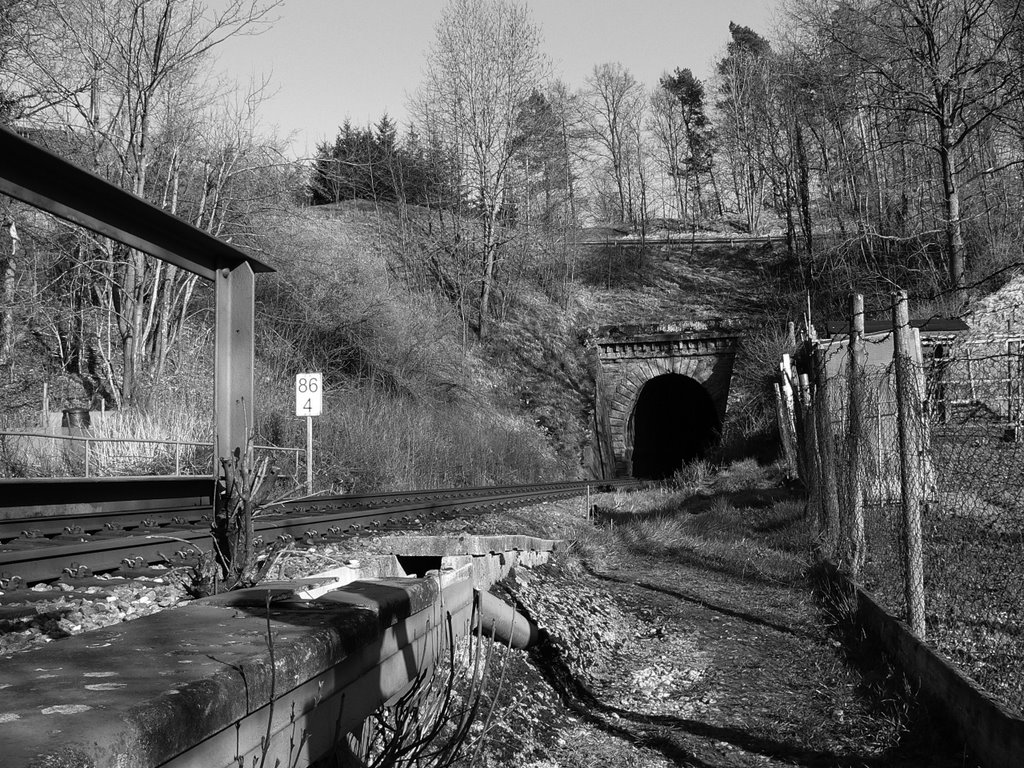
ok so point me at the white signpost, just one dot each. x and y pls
(309, 402)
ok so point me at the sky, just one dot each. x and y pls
(328, 60)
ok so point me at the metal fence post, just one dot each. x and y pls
(1010, 420)
(1019, 389)
(87, 445)
(177, 457)
(910, 414)
(856, 360)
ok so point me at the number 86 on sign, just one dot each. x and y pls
(308, 394)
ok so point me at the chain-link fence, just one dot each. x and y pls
(973, 539)
(38, 454)
(911, 451)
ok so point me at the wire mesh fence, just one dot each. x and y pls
(37, 454)
(912, 453)
(973, 538)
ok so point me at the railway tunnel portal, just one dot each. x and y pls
(661, 397)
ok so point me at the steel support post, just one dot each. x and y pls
(235, 353)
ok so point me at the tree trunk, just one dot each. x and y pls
(7, 312)
(134, 311)
(488, 273)
(717, 192)
(615, 150)
(951, 201)
(803, 193)
(790, 223)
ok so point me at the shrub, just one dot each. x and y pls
(750, 426)
(369, 439)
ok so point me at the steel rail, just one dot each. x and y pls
(316, 519)
(102, 522)
(27, 496)
(107, 521)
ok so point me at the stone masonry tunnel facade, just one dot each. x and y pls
(662, 393)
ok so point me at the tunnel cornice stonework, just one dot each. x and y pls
(665, 348)
(631, 357)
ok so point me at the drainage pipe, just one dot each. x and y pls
(507, 624)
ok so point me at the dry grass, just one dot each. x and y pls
(411, 399)
(132, 454)
(701, 283)
(738, 521)
(173, 438)
(681, 629)
(368, 439)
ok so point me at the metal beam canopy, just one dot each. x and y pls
(47, 181)
(235, 359)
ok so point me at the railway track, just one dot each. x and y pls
(119, 535)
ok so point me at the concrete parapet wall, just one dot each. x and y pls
(993, 733)
(489, 558)
(201, 685)
(440, 546)
(486, 570)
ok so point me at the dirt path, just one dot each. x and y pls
(695, 656)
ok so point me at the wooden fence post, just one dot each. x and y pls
(786, 432)
(811, 455)
(824, 436)
(910, 418)
(787, 415)
(856, 358)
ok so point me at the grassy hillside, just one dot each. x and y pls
(382, 300)
(413, 397)
(680, 282)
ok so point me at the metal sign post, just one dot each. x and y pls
(309, 403)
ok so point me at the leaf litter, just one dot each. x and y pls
(680, 655)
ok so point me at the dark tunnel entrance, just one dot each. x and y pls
(674, 421)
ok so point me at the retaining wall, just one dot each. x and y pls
(993, 732)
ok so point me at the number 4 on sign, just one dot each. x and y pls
(308, 394)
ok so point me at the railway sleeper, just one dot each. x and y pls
(27, 543)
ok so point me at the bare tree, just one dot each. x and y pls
(483, 66)
(127, 80)
(949, 62)
(7, 278)
(745, 81)
(615, 104)
(667, 128)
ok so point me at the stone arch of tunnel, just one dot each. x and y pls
(644, 370)
(674, 421)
